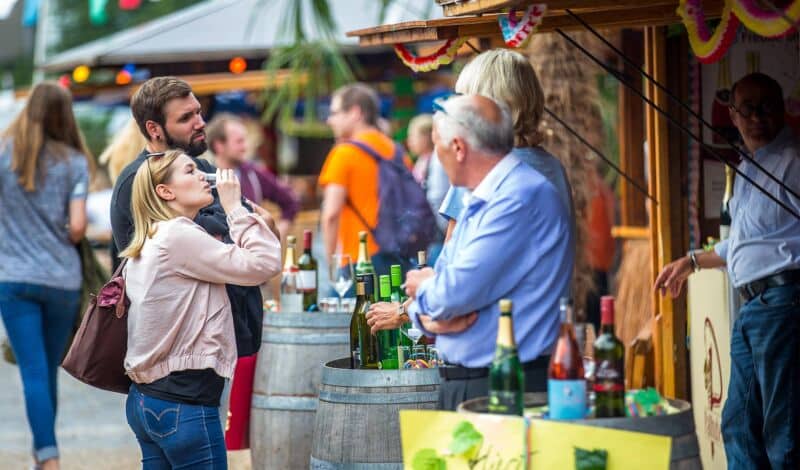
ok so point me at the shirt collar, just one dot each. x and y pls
(781, 141)
(496, 175)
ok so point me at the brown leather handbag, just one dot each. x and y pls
(97, 354)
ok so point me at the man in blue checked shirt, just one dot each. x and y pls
(761, 418)
(512, 241)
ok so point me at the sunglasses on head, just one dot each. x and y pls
(438, 107)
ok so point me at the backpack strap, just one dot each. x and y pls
(398, 156)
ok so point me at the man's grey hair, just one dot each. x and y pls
(463, 119)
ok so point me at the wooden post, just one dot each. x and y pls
(670, 341)
(630, 133)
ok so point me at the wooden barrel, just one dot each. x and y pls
(358, 423)
(679, 427)
(294, 346)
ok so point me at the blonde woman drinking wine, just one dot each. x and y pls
(181, 344)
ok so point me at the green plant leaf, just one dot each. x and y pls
(467, 441)
(590, 459)
(428, 459)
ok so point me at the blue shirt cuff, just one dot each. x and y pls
(721, 249)
(413, 313)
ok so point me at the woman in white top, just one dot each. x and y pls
(181, 344)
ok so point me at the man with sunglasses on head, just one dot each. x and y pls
(170, 117)
(761, 418)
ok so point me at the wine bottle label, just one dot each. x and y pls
(307, 280)
(507, 402)
(566, 399)
(608, 377)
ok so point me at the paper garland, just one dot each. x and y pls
(708, 47)
(443, 56)
(518, 33)
(767, 23)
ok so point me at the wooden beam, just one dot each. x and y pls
(669, 341)
(487, 26)
(630, 133)
(481, 7)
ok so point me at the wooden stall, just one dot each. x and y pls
(661, 223)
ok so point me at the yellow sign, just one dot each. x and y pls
(439, 440)
(443, 440)
(553, 443)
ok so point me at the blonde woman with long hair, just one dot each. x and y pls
(181, 344)
(44, 178)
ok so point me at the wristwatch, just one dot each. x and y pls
(693, 259)
(401, 312)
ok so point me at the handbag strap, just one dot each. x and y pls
(121, 308)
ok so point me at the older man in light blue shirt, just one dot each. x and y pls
(761, 418)
(512, 242)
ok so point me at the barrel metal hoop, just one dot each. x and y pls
(303, 338)
(379, 398)
(379, 378)
(307, 320)
(286, 403)
(317, 464)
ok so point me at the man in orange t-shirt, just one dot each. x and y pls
(350, 176)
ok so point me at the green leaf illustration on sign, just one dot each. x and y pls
(467, 441)
(428, 459)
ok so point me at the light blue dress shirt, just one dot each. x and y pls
(542, 161)
(764, 238)
(511, 241)
(436, 188)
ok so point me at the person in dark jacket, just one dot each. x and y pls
(170, 117)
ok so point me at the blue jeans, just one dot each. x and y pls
(176, 435)
(39, 321)
(761, 418)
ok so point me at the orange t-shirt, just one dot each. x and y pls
(348, 166)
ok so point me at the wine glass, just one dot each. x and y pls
(340, 272)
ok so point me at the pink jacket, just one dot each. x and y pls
(180, 316)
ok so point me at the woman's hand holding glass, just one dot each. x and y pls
(229, 190)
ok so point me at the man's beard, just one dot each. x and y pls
(192, 148)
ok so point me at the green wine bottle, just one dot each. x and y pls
(387, 339)
(609, 357)
(363, 263)
(308, 275)
(367, 342)
(355, 355)
(404, 344)
(506, 379)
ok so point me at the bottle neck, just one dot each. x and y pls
(307, 243)
(363, 254)
(288, 264)
(505, 331)
(728, 185)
